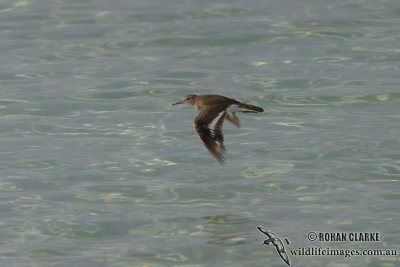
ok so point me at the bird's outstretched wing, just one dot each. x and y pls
(232, 118)
(208, 124)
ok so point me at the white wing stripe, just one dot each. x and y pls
(214, 122)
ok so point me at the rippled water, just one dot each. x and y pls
(98, 169)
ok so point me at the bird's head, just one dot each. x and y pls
(189, 99)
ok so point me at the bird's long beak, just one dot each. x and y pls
(180, 102)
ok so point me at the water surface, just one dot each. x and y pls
(98, 169)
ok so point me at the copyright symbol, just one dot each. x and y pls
(312, 236)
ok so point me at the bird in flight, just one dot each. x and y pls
(213, 110)
(273, 240)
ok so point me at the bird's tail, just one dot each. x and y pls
(249, 108)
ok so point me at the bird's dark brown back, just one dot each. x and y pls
(217, 100)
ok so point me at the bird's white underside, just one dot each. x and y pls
(234, 108)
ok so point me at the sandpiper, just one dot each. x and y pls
(213, 109)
